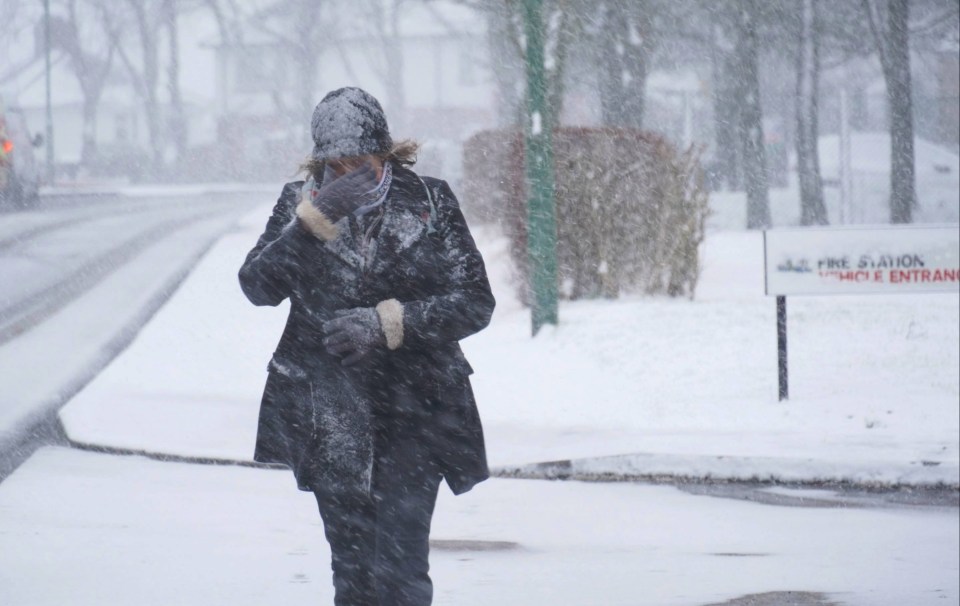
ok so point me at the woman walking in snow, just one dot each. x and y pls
(368, 397)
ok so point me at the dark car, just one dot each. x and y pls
(19, 170)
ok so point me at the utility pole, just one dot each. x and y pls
(541, 221)
(51, 174)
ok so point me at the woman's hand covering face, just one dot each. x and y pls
(342, 196)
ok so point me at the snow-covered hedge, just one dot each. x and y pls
(630, 208)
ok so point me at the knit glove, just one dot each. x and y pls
(342, 196)
(353, 334)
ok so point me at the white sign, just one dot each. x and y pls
(821, 261)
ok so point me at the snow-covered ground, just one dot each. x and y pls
(93, 530)
(937, 174)
(683, 387)
(874, 379)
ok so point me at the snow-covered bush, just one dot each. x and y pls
(630, 208)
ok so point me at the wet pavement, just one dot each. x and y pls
(816, 497)
(781, 598)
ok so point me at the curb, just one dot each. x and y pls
(678, 469)
(592, 470)
(171, 458)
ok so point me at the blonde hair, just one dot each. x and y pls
(403, 153)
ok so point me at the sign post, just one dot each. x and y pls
(784, 392)
(834, 261)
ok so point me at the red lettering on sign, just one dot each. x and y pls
(946, 275)
(847, 276)
(907, 276)
(894, 276)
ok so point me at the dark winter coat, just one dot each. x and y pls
(316, 415)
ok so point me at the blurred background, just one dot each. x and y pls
(143, 144)
(222, 90)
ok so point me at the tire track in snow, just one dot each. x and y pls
(31, 310)
(102, 209)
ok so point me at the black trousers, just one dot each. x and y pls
(380, 542)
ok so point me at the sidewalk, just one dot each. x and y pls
(686, 388)
(97, 530)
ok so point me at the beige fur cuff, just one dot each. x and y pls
(391, 320)
(316, 222)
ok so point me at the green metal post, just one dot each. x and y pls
(541, 222)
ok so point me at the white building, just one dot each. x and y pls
(243, 121)
(446, 95)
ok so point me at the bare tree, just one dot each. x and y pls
(79, 32)
(812, 208)
(563, 22)
(625, 35)
(728, 32)
(13, 12)
(381, 20)
(726, 108)
(751, 116)
(504, 29)
(143, 68)
(893, 45)
(229, 20)
(17, 16)
(176, 118)
(301, 29)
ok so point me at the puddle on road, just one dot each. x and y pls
(780, 598)
(469, 545)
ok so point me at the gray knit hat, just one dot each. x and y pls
(349, 122)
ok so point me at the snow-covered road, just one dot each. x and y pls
(47, 266)
(80, 276)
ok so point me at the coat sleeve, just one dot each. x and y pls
(465, 304)
(273, 266)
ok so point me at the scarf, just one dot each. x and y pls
(373, 198)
